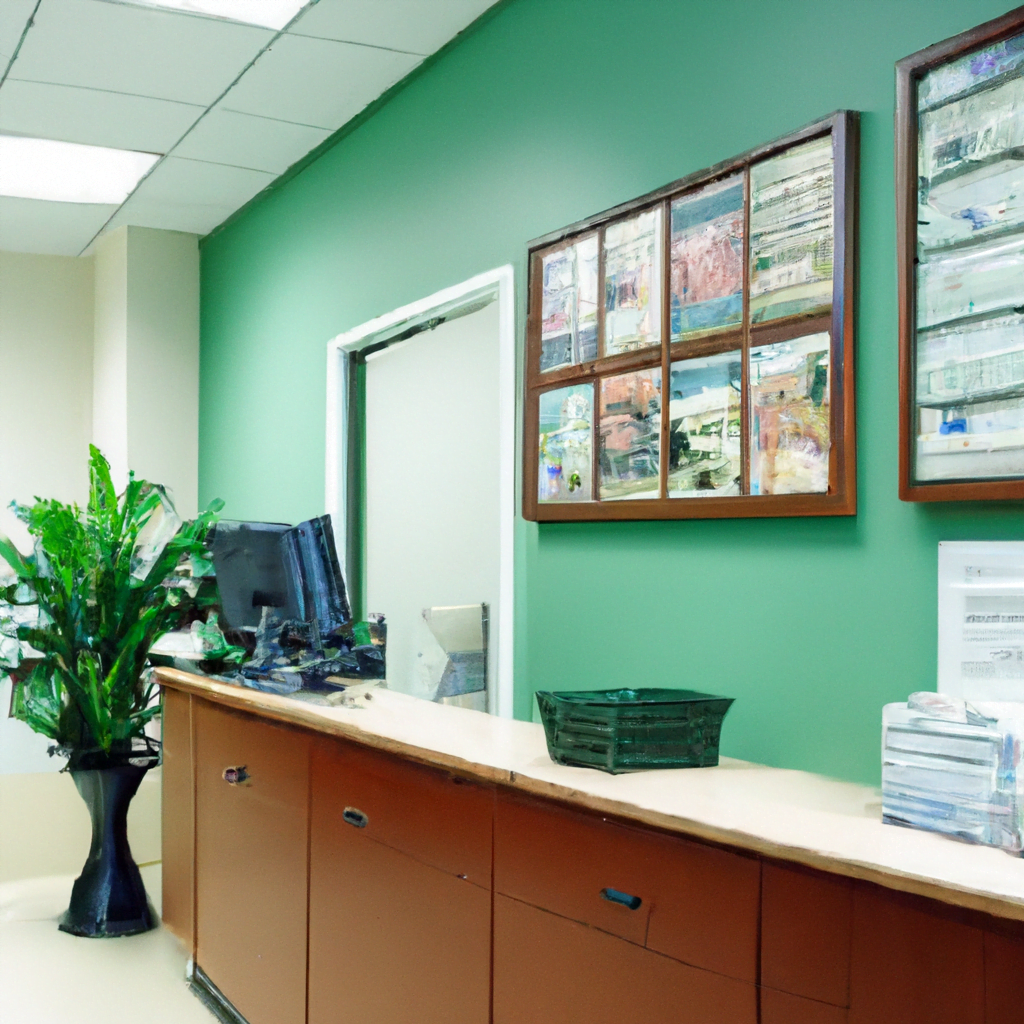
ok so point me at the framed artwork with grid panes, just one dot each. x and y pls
(960, 243)
(690, 353)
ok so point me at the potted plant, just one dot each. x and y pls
(76, 625)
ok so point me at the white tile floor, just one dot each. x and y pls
(48, 977)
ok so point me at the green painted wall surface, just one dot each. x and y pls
(550, 111)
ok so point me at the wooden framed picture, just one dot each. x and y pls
(960, 232)
(690, 353)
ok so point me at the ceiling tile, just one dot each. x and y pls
(190, 195)
(138, 50)
(227, 137)
(14, 14)
(94, 117)
(56, 229)
(273, 14)
(192, 218)
(316, 81)
(418, 26)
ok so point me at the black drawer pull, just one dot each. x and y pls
(623, 898)
(235, 776)
(354, 816)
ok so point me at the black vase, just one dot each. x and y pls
(108, 898)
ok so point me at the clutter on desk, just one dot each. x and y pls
(284, 622)
(953, 766)
(451, 654)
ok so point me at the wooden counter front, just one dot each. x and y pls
(785, 815)
(405, 862)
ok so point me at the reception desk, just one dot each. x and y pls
(400, 861)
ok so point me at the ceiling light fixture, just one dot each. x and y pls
(66, 172)
(273, 14)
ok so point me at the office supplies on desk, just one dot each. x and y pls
(285, 584)
(953, 767)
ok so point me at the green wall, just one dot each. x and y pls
(547, 112)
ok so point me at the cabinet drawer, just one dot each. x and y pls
(806, 921)
(698, 904)
(426, 813)
(706, 907)
(548, 969)
(562, 861)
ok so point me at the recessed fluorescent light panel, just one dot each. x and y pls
(65, 172)
(268, 13)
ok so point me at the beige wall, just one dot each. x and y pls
(90, 348)
(44, 826)
(102, 348)
(146, 379)
(163, 365)
(46, 332)
(110, 353)
(46, 328)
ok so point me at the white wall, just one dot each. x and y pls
(46, 328)
(110, 353)
(163, 361)
(46, 336)
(102, 348)
(93, 348)
(146, 381)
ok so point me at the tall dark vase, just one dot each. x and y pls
(108, 898)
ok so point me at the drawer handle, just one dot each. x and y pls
(354, 816)
(235, 776)
(622, 898)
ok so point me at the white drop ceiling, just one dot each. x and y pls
(228, 106)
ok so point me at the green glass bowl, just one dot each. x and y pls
(632, 730)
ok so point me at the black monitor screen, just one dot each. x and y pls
(251, 572)
(292, 570)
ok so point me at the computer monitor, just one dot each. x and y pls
(292, 570)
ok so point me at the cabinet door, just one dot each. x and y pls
(550, 970)
(806, 921)
(177, 814)
(251, 854)
(913, 966)
(1004, 970)
(392, 937)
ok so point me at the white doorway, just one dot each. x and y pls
(421, 466)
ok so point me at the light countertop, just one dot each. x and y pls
(789, 815)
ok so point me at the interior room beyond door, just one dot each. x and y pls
(432, 485)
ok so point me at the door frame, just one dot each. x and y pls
(496, 285)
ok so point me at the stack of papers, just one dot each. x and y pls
(953, 767)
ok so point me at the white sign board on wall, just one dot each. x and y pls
(981, 620)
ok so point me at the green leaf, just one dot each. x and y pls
(102, 493)
(36, 700)
(22, 567)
